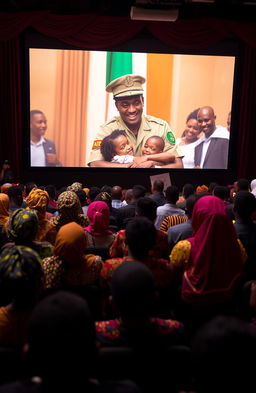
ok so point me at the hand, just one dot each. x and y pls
(145, 164)
(52, 158)
(139, 160)
(5, 166)
(197, 167)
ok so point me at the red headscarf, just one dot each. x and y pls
(215, 264)
(98, 214)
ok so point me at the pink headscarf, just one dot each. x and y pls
(215, 264)
(98, 214)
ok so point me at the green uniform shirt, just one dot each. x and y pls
(150, 126)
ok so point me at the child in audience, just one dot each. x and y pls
(117, 148)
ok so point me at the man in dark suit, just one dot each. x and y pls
(42, 150)
(212, 152)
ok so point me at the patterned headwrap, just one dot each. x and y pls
(4, 208)
(20, 273)
(23, 226)
(38, 199)
(69, 208)
(201, 189)
(75, 187)
(104, 197)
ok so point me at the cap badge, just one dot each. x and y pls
(129, 81)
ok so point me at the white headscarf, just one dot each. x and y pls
(253, 187)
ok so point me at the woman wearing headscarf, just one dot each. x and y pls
(97, 232)
(253, 187)
(4, 209)
(20, 288)
(212, 261)
(38, 200)
(70, 267)
(69, 209)
(4, 217)
(22, 230)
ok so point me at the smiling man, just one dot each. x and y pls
(128, 95)
(42, 150)
(212, 151)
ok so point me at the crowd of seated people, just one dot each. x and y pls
(126, 277)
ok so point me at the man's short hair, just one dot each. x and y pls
(172, 194)
(243, 184)
(244, 204)
(188, 189)
(35, 112)
(146, 207)
(138, 191)
(140, 236)
(133, 288)
(158, 185)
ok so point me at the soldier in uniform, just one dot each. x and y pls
(128, 95)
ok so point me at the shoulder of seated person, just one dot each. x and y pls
(154, 119)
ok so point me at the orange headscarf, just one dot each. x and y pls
(201, 189)
(4, 208)
(38, 200)
(70, 243)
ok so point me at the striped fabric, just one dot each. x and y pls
(170, 221)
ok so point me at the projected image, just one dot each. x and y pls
(129, 110)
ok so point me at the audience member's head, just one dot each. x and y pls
(69, 208)
(253, 187)
(202, 189)
(20, 276)
(128, 196)
(51, 190)
(221, 192)
(29, 186)
(98, 213)
(223, 351)
(242, 185)
(75, 187)
(140, 237)
(15, 195)
(38, 200)
(4, 208)
(138, 191)
(81, 196)
(190, 202)
(106, 188)
(146, 207)
(158, 186)
(23, 226)
(187, 190)
(104, 196)
(116, 193)
(93, 192)
(133, 289)
(70, 243)
(212, 185)
(61, 341)
(244, 205)
(172, 194)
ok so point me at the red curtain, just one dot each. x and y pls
(94, 31)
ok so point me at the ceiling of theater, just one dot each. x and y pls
(230, 9)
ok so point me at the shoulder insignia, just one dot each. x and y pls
(96, 144)
(170, 137)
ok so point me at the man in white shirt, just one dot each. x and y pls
(42, 150)
(212, 151)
